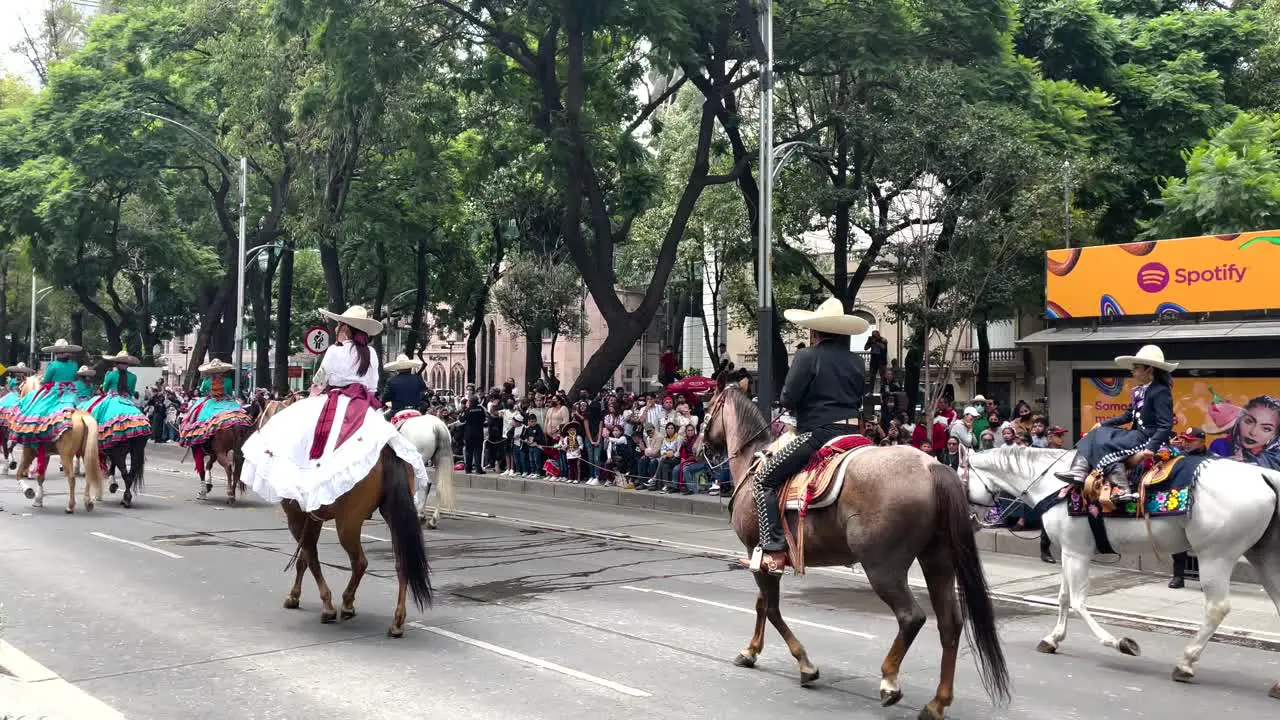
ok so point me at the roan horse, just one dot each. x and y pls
(389, 488)
(79, 441)
(896, 506)
(1236, 513)
(430, 436)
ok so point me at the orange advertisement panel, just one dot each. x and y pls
(1214, 273)
(1240, 415)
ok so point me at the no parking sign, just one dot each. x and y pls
(317, 340)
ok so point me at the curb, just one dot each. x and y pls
(1240, 637)
(1003, 542)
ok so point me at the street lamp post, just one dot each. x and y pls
(764, 284)
(35, 300)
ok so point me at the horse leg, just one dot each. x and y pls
(1267, 562)
(1075, 571)
(771, 586)
(890, 585)
(225, 461)
(24, 479)
(940, 576)
(1053, 640)
(349, 538)
(69, 470)
(297, 520)
(747, 658)
(310, 538)
(1215, 579)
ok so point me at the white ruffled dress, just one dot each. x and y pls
(278, 464)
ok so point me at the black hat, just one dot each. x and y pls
(1193, 433)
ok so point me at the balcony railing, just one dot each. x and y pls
(1002, 359)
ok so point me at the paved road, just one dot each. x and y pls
(529, 624)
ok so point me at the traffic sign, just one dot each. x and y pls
(317, 340)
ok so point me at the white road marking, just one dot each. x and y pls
(750, 611)
(536, 662)
(375, 538)
(136, 544)
(158, 497)
(47, 691)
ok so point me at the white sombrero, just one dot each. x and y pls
(61, 346)
(20, 369)
(1149, 355)
(828, 318)
(403, 362)
(216, 366)
(86, 371)
(121, 358)
(358, 318)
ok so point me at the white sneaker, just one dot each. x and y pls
(593, 481)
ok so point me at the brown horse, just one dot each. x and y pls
(896, 506)
(80, 440)
(389, 488)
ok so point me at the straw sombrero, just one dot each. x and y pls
(61, 346)
(19, 369)
(357, 317)
(403, 362)
(86, 371)
(216, 366)
(1149, 355)
(121, 358)
(828, 318)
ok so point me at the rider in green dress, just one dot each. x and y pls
(84, 384)
(119, 419)
(43, 416)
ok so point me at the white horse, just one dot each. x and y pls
(431, 437)
(1235, 513)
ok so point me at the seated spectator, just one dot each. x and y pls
(648, 445)
(987, 440)
(668, 457)
(684, 476)
(619, 454)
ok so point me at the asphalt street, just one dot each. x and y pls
(173, 610)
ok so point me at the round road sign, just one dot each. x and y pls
(317, 340)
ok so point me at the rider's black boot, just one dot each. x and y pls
(1078, 471)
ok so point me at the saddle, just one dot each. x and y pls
(398, 419)
(1098, 489)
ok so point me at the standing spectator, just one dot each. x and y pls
(473, 423)
(1022, 418)
(667, 366)
(515, 443)
(557, 416)
(953, 455)
(922, 432)
(1038, 437)
(879, 349)
(571, 448)
(982, 422)
(962, 429)
(987, 440)
(533, 439)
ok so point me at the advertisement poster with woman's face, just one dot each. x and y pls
(1239, 414)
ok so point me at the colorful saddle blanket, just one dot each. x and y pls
(398, 419)
(819, 484)
(1169, 490)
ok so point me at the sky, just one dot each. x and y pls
(11, 12)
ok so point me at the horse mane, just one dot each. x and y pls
(1015, 460)
(752, 427)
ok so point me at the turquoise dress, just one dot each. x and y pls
(84, 390)
(119, 420)
(44, 415)
(9, 399)
(211, 413)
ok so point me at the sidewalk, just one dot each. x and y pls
(30, 691)
(1003, 542)
(1120, 592)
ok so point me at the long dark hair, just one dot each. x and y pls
(360, 339)
(122, 379)
(1161, 377)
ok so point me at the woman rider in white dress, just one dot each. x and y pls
(317, 449)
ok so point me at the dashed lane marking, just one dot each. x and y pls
(536, 662)
(750, 611)
(375, 538)
(137, 544)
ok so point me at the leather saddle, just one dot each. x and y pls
(1097, 488)
(819, 484)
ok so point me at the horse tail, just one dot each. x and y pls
(92, 470)
(406, 532)
(957, 532)
(446, 499)
(138, 461)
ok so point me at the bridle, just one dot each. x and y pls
(1022, 499)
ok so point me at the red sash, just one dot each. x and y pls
(360, 401)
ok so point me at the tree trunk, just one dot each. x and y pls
(617, 343)
(415, 344)
(332, 265)
(4, 308)
(984, 356)
(260, 282)
(840, 241)
(379, 301)
(532, 356)
(77, 327)
(284, 319)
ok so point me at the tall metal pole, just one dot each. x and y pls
(31, 355)
(764, 283)
(240, 263)
(1066, 198)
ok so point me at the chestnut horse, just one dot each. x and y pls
(897, 506)
(79, 441)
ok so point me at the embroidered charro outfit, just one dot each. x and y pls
(42, 416)
(317, 449)
(405, 388)
(215, 411)
(1150, 420)
(823, 391)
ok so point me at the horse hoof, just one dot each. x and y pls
(231, 501)
(291, 603)
(348, 614)
(432, 524)
(393, 632)
(1275, 691)
(126, 503)
(88, 507)
(1182, 676)
(889, 698)
(1128, 647)
(329, 618)
(37, 504)
(208, 487)
(808, 678)
(928, 714)
(1046, 647)
(745, 661)
(29, 493)
(13, 465)
(69, 511)
(113, 487)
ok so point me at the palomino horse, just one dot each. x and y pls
(431, 437)
(389, 488)
(128, 457)
(896, 506)
(79, 441)
(1236, 514)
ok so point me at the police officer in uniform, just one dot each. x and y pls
(824, 392)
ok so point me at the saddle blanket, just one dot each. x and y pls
(1172, 494)
(398, 419)
(819, 484)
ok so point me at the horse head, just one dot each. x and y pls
(1022, 472)
(733, 423)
